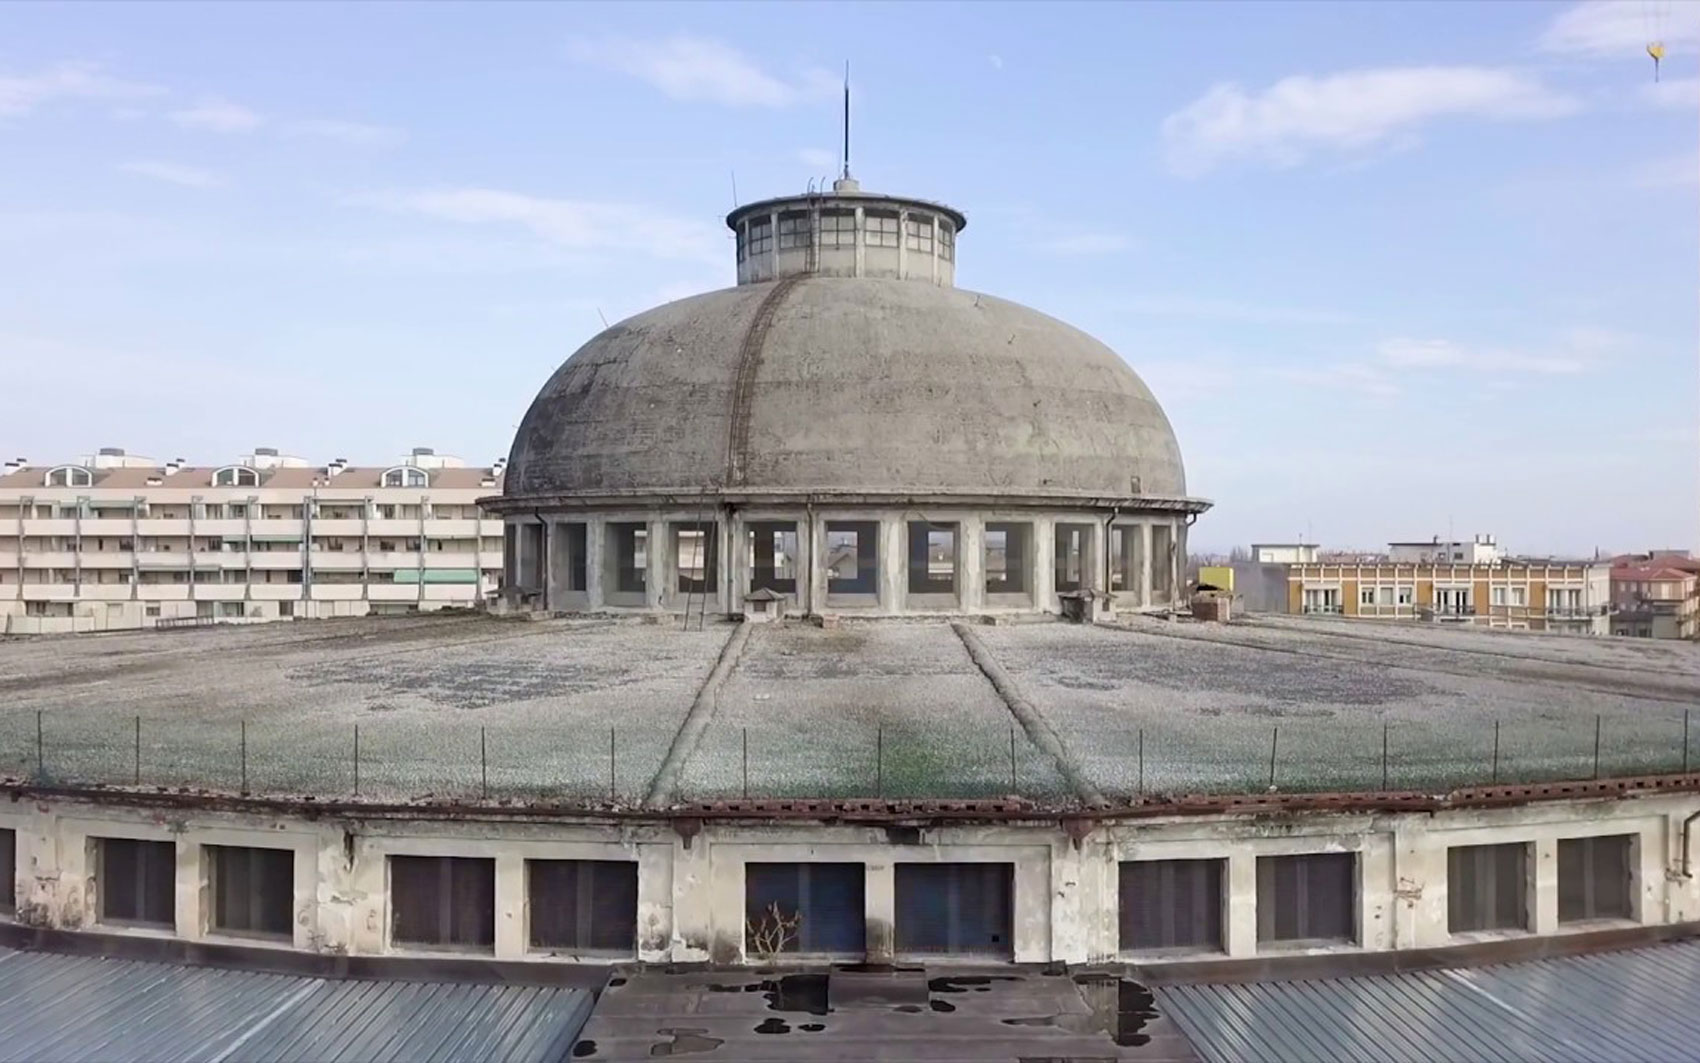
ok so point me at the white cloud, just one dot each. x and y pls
(1084, 244)
(219, 116)
(1353, 112)
(702, 69)
(577, 225)
(1233, 310)
(996, 60)
(355, 134)
(1622, 28)
(1672, 93)
(818, 159)
(172, 173)
(1444, 354)
(67, 81)
(1673, 171)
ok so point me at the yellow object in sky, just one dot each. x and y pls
(1657, 51)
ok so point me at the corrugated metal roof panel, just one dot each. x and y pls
(1642, 1004)
(77, 1008)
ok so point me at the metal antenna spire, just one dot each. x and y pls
(846, 173)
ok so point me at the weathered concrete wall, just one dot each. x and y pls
(691, 894)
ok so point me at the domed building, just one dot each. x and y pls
(846, 432)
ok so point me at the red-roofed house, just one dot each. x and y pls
(1655, 596)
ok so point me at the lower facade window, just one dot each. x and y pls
(583, 905)
(137, 881)
(1171, 904)
(1487, 887)
(955, 909)
(772, 556)
(852, 557)
(804, 908)
(932, 558)
(1070, 550)
(695, 547)
(1595, 878)
(8, 869)
(628, 548)
(443, 900)
(1006, 558)
(1309, 897)
(1127, 559)
(253, 890)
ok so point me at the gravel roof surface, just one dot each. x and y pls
(888, 707)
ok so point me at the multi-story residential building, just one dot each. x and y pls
(1527, 594)
(1656, 596)
(119, 541)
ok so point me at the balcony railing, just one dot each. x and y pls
(1325, 609)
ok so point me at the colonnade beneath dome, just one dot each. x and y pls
(850, 561)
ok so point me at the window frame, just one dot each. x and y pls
(236, 476)
(405, 476)
(69, 476)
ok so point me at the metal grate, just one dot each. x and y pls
(956, 908)
(138, 881)
(583, 904)
(443, 900)
(1171, 904)
(1487, 887)
(253, 889)
(1594, 878)
(831, 898)
(1307, 897)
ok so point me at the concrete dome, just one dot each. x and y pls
(833, 386)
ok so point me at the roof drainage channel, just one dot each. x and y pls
(1039, 730)
(664, 788)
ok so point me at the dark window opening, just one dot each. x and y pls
(530, 557)
(932, 558)
(583, 904)
(1071, 540)
(571, 560)
(253, 890)
(955, 908)
(918, 233)
(1307, 898)
(947, 241)
(1006, 558)
(761, 236)
(1595, 878)
(1487, 887)
(1162, 562)
(8, 869)
(138, 882)
(697, 547)
(804, 908)
(443, 900)
(1171, 904)
(881, 228)
(852, 557)
(773, 556)
(629, 545)
(1127, 558)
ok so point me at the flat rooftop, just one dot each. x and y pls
(616, 711)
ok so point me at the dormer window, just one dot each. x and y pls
(70, 476)
(406, 476)
(236, 476)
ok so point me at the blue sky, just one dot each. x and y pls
(1393, 269)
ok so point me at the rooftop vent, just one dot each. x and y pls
(173, 465)
(112, 452)
(154, 481)
(15, 464)
(266, 452)
(423, 452)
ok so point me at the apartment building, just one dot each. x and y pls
(1656, 596)
(120, 541)
(1447, 582)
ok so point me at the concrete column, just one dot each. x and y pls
(1142, 578)
(971, 561)
(595, 548)
(655, 902)
(191, 891)
(1077, 904)
(693, 911)
(1041, 549)
(367, 884)
(727, 533)
(903, 244)
(814, 535)
(1419, 907)
(331, 887)
(1097, 549)
(510, 907)
(861, 242)
(1033, 910)
(1241, 932)
(894, 564)
(1377, 897)
(880, 897)
(655, 577)
(1544, 909)
(935, 261)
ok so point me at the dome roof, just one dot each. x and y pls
(837, 386)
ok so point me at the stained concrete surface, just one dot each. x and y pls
(448, 705)
(944, 1013)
